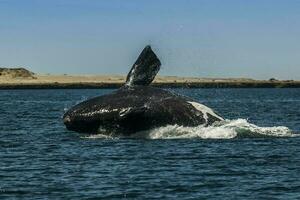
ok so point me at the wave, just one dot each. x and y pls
(227, 129)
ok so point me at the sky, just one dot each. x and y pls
(200, 38)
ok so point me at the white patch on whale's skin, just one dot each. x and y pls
(131, 76)
(98, 112)
(205, 110)
(124, 111)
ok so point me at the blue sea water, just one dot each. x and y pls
(255, 154)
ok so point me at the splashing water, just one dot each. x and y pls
(227, 129)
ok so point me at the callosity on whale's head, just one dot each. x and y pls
(137, 106)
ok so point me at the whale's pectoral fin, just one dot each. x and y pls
(144, 69)
(133, 120)
(132, 113)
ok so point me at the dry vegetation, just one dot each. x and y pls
(16, 73)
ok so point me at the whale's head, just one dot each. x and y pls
(80, 119)
(87, 116)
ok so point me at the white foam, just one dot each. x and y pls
(227, 129)
(98, 136)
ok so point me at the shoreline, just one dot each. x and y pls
(115, 81)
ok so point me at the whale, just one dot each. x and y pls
(138, 106)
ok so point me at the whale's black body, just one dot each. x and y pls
(137, 106)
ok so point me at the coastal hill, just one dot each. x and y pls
(15, 73)
(21, 78)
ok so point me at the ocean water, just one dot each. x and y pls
(254, 154)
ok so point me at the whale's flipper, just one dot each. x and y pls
(144, 69)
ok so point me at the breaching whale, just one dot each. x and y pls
(136, 106)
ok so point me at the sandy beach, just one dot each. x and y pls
(114, 81)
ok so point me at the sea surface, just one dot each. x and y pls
(254, 154)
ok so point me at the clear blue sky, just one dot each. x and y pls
(256, 39)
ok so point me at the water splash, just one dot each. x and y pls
(227, 129)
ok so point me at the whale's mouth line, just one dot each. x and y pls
(227, 129)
